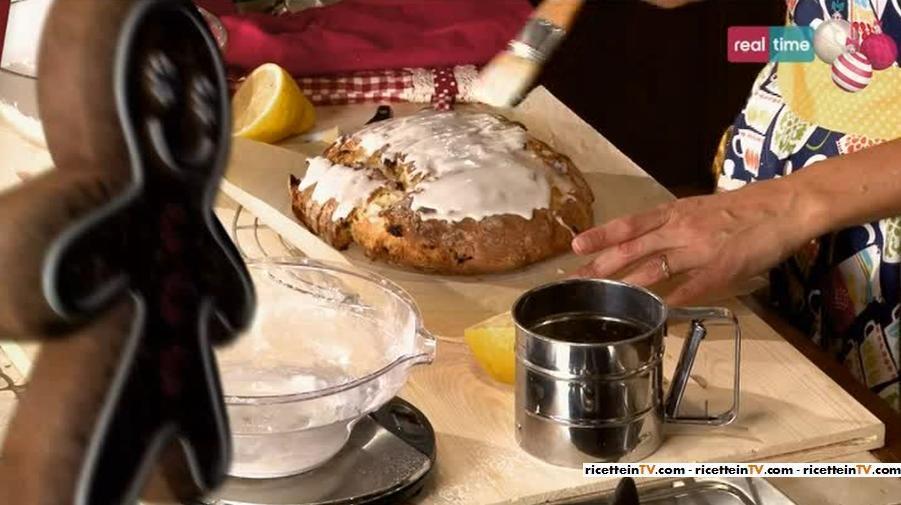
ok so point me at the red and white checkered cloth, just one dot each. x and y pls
(362, 87)
(441, 87)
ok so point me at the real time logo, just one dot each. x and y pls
(761, 44)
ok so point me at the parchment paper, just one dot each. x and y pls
(258, 179)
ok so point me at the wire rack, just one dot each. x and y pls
(254, 240)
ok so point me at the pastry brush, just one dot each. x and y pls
(507, 78)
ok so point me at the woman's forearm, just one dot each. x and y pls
(848, 190)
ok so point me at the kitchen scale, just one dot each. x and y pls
(386, 460)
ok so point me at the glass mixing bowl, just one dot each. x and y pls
(328, 346)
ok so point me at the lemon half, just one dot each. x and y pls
(492, 342)
(269, 106)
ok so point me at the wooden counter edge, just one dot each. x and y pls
(891, 452)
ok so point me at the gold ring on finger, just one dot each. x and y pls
(664, 266)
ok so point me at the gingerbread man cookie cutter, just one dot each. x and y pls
(119, 264)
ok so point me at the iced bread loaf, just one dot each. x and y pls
(449, 193)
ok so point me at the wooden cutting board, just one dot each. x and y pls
(480, 463)
(784, 397)
(790, 409)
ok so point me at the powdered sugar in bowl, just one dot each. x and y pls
(328, 346)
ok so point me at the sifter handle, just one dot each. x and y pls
(696, 335)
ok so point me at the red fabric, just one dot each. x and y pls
(445, 89)
(380, 86)
(358, 35)
(4, 17)
(360, 87)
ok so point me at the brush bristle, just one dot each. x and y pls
(505, 80)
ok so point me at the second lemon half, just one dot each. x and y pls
(269, 106)
(492, 343)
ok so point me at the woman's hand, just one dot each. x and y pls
(712, 242)
(707, 243)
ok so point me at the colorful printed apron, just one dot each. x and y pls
(843, 289)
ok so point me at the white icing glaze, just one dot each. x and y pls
(350, 188)
(562, 223)
(472, 165)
